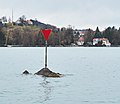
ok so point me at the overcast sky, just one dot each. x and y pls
(81, 14)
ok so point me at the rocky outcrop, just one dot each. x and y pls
(26, 72)
(48, 73)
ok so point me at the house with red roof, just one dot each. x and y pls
(80, 41)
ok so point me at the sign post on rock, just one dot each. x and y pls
(46, 34)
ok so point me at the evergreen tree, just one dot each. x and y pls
(108, 34)
(98, 33)
(69, 36)
(111, 34)
(115, 36)
(89, 35)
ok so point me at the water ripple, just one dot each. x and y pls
(99, 102)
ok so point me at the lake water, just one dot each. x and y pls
(92, 76)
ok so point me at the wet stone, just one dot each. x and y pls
(47, 73)
(26, 72)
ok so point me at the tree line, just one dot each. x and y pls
(30, 36)
(111, 33)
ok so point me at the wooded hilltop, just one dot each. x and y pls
(26, 33)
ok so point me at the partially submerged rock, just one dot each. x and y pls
(47, 73)
(26, 72)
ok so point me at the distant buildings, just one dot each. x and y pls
(101, 41)
(95, 42)
(80, 34)
(22, 22)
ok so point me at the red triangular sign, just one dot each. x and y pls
(46, 33)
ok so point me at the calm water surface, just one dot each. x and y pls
(92, 76)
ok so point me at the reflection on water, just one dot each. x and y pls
(47, 89)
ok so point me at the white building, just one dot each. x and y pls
(79, 32)
(80, 41)
(104, 41)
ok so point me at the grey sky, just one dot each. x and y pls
(78, 13)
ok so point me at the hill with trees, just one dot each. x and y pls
(27, 33)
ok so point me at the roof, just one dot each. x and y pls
(81, 39)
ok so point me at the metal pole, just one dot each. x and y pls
(46, 54)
